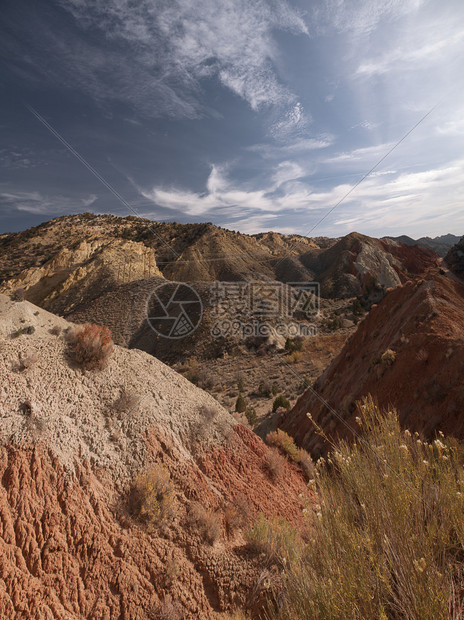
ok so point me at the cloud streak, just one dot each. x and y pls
(375, 207)
(37, 203)
(177, 44)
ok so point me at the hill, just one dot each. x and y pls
(408, 353)
(79, 452)
(441, 245)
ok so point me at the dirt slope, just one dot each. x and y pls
(422, 324)
(70, 548)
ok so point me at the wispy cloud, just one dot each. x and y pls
(414, 54)
(359, 16)
(387, 202)
(40, 204)
(296, 147)
(176, 45)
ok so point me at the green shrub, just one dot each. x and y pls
(251, 416)
(264, 389)
(280, 401)
(240, 404)
(294, 344)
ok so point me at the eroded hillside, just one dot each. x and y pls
(408, 353)
(73, 443)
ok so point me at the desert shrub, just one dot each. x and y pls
(264, 389)
(388, 357)
(237, 514)
(152, 498)
(234, 518)
(284, 443)
(33, 423)
(306, 463)
(203, 378)
(251, 416)
(357, 307)
(304, 385)
(275, 463)
(55, 330)
(276, 539)
(167, 609)
(91, 346)
(240, 382)
(275, 389)
(240, 404)
(294, 344)
(280, 401)
(295, 357)
(191, 370)
(240, 418)
(387, 536)
(205, 523)
(28, 330)
(18, 295)
(127, 401)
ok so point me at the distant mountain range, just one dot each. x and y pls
(441, 245)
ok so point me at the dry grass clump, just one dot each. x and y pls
(387, 537)
(152, 497)
(127, 401)
(275, 464)
(277, 540)
(388, 357)
(237, 515)
(283, 442)
(91, 346)
(168, 609)
(206, 523)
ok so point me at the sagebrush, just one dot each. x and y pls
(91, 346)
(386, 530)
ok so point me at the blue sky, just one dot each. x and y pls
(253, 114)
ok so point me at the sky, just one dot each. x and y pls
(252, 114)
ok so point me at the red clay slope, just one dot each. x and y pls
(423, 323)
(68, 550)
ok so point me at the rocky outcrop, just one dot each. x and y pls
(84, 272)
(408, 353)
(455, 259)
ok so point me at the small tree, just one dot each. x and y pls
(240, 405)
(280, 401)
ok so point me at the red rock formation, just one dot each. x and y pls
(422, 322)
(68, 548)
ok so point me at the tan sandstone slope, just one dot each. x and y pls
(70, 547)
